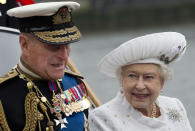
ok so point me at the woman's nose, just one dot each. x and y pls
(140, 84)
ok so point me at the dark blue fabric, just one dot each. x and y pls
(76, 120)
(68, 82)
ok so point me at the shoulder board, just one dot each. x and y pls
(73, 74)
(11, 74)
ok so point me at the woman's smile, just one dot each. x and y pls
(140, 96)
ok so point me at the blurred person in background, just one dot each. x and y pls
(39, 93)
(142, 67)
(5, 5)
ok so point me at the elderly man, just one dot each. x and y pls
(38, 94)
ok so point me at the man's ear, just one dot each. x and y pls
(24, 45)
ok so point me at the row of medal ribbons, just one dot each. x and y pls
(72, 100)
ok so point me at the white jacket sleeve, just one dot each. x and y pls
(185, 117)
(98, 121)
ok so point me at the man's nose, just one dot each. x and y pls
(63, 52)
(140, 85)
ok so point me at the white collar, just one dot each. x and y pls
(27, 71)
(152, 122)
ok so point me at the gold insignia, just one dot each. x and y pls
(54, 36)
(62, 16)
(8, 76)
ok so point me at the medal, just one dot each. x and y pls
(85, 103)
(63, 96)
(62, 122)
(76, 107)
(43, 99)
(57, 109)
(71, 100)
(66, 110)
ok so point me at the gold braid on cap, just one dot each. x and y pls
(50, 35)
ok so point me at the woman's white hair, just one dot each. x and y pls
(166, 73)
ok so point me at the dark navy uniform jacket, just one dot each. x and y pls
(13, 91)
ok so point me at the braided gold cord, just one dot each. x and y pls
(32, 101)
(50, 123)
(27, 112)
(35, 112)
(44, 109)
(31, 111)
(39, 125)
(3, 122)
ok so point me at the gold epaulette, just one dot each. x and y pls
(11, 74)
(73, 74)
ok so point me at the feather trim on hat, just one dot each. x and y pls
(157, 48)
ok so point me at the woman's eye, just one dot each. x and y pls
(149, 77)
(132, 75)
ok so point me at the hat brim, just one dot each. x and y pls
(158, 48)
(62, 36)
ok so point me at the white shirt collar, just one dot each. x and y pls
(27, 71)
(152, 122)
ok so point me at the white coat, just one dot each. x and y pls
(119, 115)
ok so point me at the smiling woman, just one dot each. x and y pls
(142, 67)
(141, 84)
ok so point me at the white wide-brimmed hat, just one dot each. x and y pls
(158, 48)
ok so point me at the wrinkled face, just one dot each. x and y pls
(141, 84)
(46, 60)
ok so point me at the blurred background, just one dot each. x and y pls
(105, 24)
(125, 14)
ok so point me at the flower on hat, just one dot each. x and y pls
(158, 48)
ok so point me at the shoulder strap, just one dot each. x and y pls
(73, 74)
(11, 74)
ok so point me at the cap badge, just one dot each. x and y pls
(62, 16)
